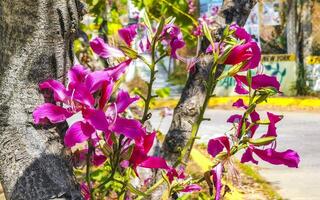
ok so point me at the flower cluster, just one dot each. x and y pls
(101, 131)
(244, 57)
(105, 134)
(191, 6)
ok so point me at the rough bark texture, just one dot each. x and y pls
(35, 44)
(193, 95)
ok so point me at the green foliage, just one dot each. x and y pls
(163, 92)
(175, 8)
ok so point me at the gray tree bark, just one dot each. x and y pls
(35, 44)
(188, 109)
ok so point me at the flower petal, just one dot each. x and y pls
(104, 50)
(192, 188)
(124, 100)
(128, 33)
(241, 33)
(239, 53)
(234, 118)
(248, 157)
(289, 157)
(148, 141)
(116, 71)
(95, 80)
(216, 145)
(81, 94)
(78, 133)
(239, 104)
(59, 91)
(98, 159)
(262, 80)
(77, 74)
(106, 93)
(217, 176)
(154, 163)
(51, 112)
(272, 126)
(239, 87)
(97, 119)
(131, 128)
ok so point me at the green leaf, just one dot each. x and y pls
(262, 141)
(166, 179)
(163, 92)
(159, 28)
(249, 78)
(207, 33)
(135, 190)
(145, 19)
(126, 155)
(251, 108)
(129, 52)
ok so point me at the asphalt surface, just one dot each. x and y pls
(299, 131)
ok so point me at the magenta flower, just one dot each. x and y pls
(248, 52)
(216, 145)
(111, 121)
(50, 112)
(217, 177)
(78, 97)
(241, 33)
(173, 173)
(272, 125)
(289, 157)
(77, 74)
(104, 50)
(258, 81)
(128, 33)
(172, 36)
(78, 133)
(192, 188)
(140, 158)
(85, 191)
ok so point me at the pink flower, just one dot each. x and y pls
(173, 173)
(78, 97)
(128, 33)
(289, 157)
(217, 176)
(258, 81)
(140, 158)
(172, 36)
(104, 50)
(216, 145)
(248, 52)
(241, 33)
(78, 133)
(272, 125)
(192, 188)
(85, 191)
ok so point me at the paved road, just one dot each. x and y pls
(298, 130)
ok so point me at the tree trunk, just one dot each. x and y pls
(304, 41)
(192, 98)
(35, 44)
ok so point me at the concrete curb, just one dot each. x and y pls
(283, 103)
